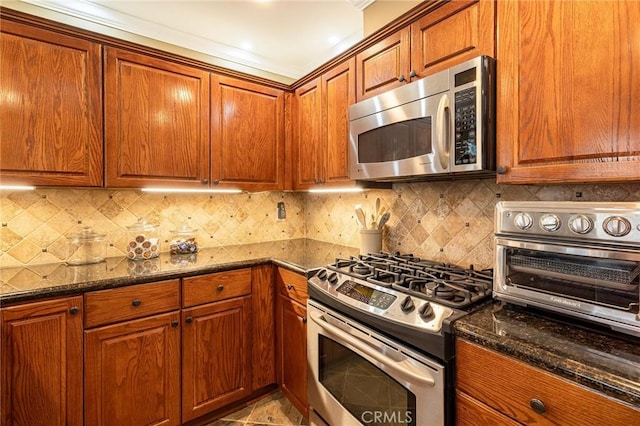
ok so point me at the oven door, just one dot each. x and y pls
(359, 377)
(597, 283)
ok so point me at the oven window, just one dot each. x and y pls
(607, 282)
(397, 141)
(370, 395)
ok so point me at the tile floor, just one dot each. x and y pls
(274, 409)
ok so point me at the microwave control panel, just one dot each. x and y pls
(466, 142)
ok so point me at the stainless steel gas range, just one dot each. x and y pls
(380, 344)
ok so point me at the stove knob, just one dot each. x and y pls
(426, 312)
(322, 274)
(550, 222)
(407, 305)
(523, 221)
(333, 278)
(581, 224)
(616, 226)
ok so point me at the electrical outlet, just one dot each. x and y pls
(281, 212)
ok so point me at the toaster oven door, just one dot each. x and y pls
(599, 283)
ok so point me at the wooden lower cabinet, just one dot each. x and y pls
(216, 356)
(291, 350)
(41, 363)
(498, 390)
(132, 372)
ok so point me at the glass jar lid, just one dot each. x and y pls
(86, 235)
(142, 225)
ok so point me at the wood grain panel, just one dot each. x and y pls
(247, 134)
(508, 386)
(379, 66)
(293, 285)
(307, 135)
(215, 356)
(51, 108)
(470, 412)
(206, 288)
(120, 304)
(157, 122)
(41, 364)
(568, 83)
(132, 373)
(339, 88)
(292, 352)
(263, 333)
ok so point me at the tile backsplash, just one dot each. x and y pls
(449, 221)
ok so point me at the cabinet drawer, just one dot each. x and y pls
(510, 386)
(119, 304)
(213, 287)
(293, 285)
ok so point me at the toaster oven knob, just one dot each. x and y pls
(581, 224)
(616, 226)
(550, 222)
(523, 221)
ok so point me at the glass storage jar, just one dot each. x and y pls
(86, 247)
(183, 240)
(143, 241)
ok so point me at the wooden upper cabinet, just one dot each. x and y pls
(51, 108)
(307, 130)
(384, 65)
(452, 33)
(157, 122)
(247, 135)
(41, 368)
(568, 90)
(455, 32)
(322, 126)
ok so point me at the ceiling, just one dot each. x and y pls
(287, 38)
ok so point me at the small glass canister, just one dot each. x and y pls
(183, 240)
(143, 242)
(86, 247)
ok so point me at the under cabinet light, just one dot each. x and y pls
(192, 190)
(336, 190)
(17, 188)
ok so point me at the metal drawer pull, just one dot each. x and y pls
(372, 352)
(538, 406)
(74, 310)
(136, 302)
(220, 287)
(289, 287)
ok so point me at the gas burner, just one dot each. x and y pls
(361, 269)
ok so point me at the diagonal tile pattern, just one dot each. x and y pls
(274, 409)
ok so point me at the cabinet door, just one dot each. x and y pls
(292, 352)
(455, 32)
(216, 356)
(51, 108)
(339, 92)
(263, 331)
(307, 135)
(384, 65)
(132, 372)
(156, 122)
(568, 90)
(247, 136)
(41, 364)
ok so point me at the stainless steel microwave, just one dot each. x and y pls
(441, 126)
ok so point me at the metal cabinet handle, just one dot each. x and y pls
(74, 310)
(136, 302)
(289, 287)
(401, 78)
(220, 287)
(188, 320)
(205, 181)
(303, 319)
(216, 181)
(412, 74)
(501, 170)
(537, 406)
(174, 324)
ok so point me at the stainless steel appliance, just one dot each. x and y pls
(578, 259)
(439, 126)
(380, 347)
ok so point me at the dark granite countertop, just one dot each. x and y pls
(596, 358)
(44, 281)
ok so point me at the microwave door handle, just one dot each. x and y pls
(443, 131)
(368, 350)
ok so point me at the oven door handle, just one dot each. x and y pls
(368, 350)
